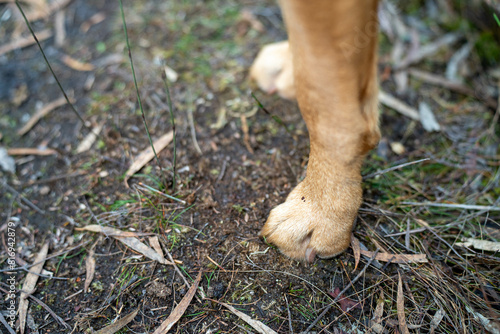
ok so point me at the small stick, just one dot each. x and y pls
(369, 176)
(398, 105)
(193, 131)
(27, 201)
(25, 41)
(289, 316)
(456, 206)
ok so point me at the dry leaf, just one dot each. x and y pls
(378, 314)
(25, 41)
(94, 19)
(155, 243)
(398, 105)
(30, 151)
(41, 113)
(7, 163)
(346, 304)
(76, 64)
(89, 140)
(119, 324)
(20, 95)
(356, 249)
(427, 118)
(401, 308)
(131, 242)
(436, 320)
(145, 156)
(397, 258)
(179, 309)
(30, 284)
(485, 245)
(89, 268)
(171, 75)
(257, 325)
(246, 15)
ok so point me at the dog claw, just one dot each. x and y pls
(310, 255)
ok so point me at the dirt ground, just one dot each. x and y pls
(233, 163)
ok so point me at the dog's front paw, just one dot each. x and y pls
(273, 70)
(317, 217)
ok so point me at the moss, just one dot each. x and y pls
(488, 49)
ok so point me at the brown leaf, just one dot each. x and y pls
(377, 315)
(89, 268)
(356, 249)
(131, 242)
(397, 258)
(76, 64)
(30, 284)
(90, 139)
(145, 156)
(41, 113)
(257, 325)
(119, 324)
(346, 304)
(155, 243)
(94, 19)
(485, 245)
(180, 309)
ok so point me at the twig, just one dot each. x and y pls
(369, 176)
(325, 311)
(143, 186)
(433, 79)
(222, 171)
(289, 316)
(56, 178)
(48, 309)
(27, 201)
(24, 42)
(427, 50)
(25, 267)
(6, 324)
(31, 151)
(416, 230)
(193, 130)
(398, 105)
(172, 120)
(456, 206)
(180, 273)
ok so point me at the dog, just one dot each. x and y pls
(328, 65)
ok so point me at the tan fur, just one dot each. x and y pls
(332, 46)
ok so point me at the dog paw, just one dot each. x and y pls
(273, 70)
(317, 217)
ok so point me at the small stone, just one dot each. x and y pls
(44, 190)
(397, 148)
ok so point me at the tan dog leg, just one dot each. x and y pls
(333, 47)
